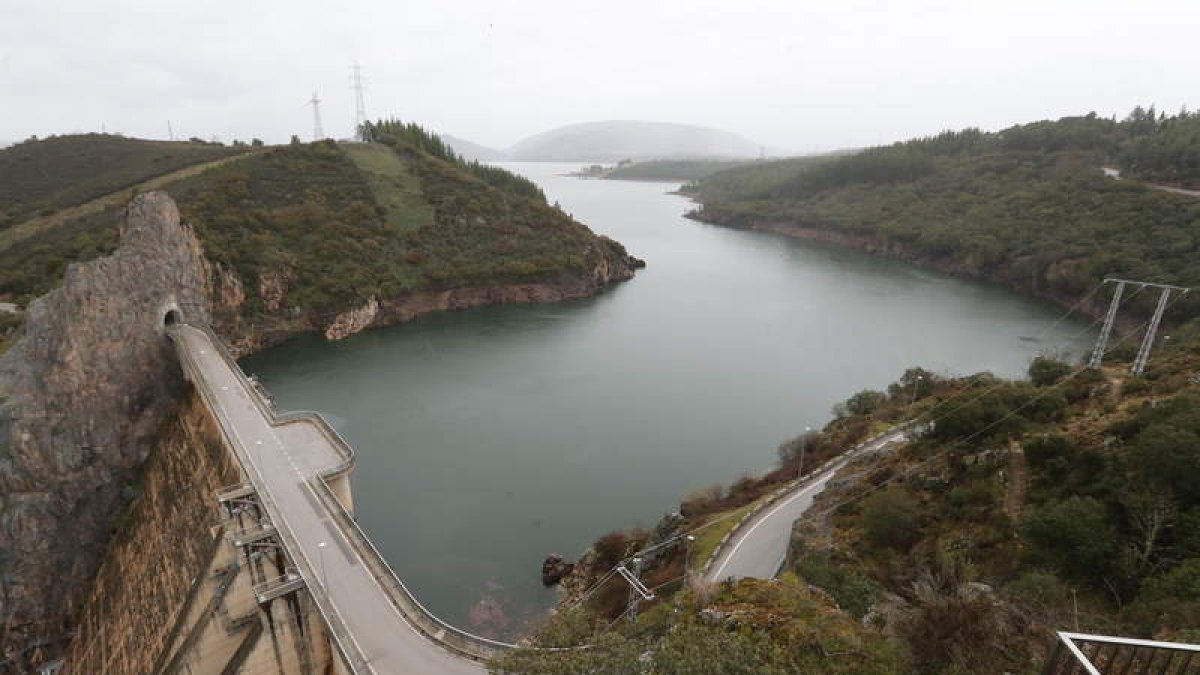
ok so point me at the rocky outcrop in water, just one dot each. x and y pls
(83, 395)
(554, 568)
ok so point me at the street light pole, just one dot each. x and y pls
(687, 556)
(803, 451)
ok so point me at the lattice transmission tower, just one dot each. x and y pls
(360, 106)
(315, 102)
(1143, 355)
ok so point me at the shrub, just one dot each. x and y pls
(1045, 371)
(851, 589)
(891, 518)
(1074, 535)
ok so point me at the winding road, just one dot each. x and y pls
(758, 547)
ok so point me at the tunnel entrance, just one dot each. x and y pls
(171, 317)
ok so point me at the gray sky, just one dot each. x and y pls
(790, 74)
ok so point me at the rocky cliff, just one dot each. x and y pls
(606, 264)
(83, 396)
(164, 543)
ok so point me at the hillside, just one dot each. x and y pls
(42, 176)
(298, 235)
(1028, 207)
(1065, 501)
(617, 140)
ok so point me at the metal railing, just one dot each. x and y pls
(1081, 654)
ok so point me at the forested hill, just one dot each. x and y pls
(1028, 206)
(300, 233)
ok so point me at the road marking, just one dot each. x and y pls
(227, 420)
(763, 519)
(880, 443)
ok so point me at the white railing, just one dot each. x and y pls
(1081, 654)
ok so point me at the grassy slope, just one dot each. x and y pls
(396, 188)
(39, 177)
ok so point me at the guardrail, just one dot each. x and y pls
(789, 488)
(417, 615)
(1081, 654)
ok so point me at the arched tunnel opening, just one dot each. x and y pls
(171, 317)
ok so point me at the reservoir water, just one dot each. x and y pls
(490, 438)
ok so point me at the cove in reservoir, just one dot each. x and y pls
(492, 437)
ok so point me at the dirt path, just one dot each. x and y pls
(1018, 483)
(34, 226)
(1115, 174)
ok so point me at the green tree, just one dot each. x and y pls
(1075, 536)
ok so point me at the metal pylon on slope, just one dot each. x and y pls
(315, 102)
(1102, 341)
(1143, 355)
(360, 106)
(636, 587)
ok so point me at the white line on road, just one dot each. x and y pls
(744, 537)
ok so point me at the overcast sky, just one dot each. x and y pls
(791, 74)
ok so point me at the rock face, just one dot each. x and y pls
(353, 321)
(167, 539)
(554, 568)
(83, 396)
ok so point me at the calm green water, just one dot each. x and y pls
(489, 438)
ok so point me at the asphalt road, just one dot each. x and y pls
(283, 460)
(758, 548)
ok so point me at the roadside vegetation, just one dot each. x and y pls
(1063, 501)
(1028, 207)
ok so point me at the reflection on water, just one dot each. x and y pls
(489, 438)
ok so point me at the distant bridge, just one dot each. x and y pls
(296, 469)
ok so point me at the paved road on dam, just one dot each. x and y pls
(284, 459)
(759, 546)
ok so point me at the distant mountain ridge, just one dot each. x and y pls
(615, 140)
(473, 151)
